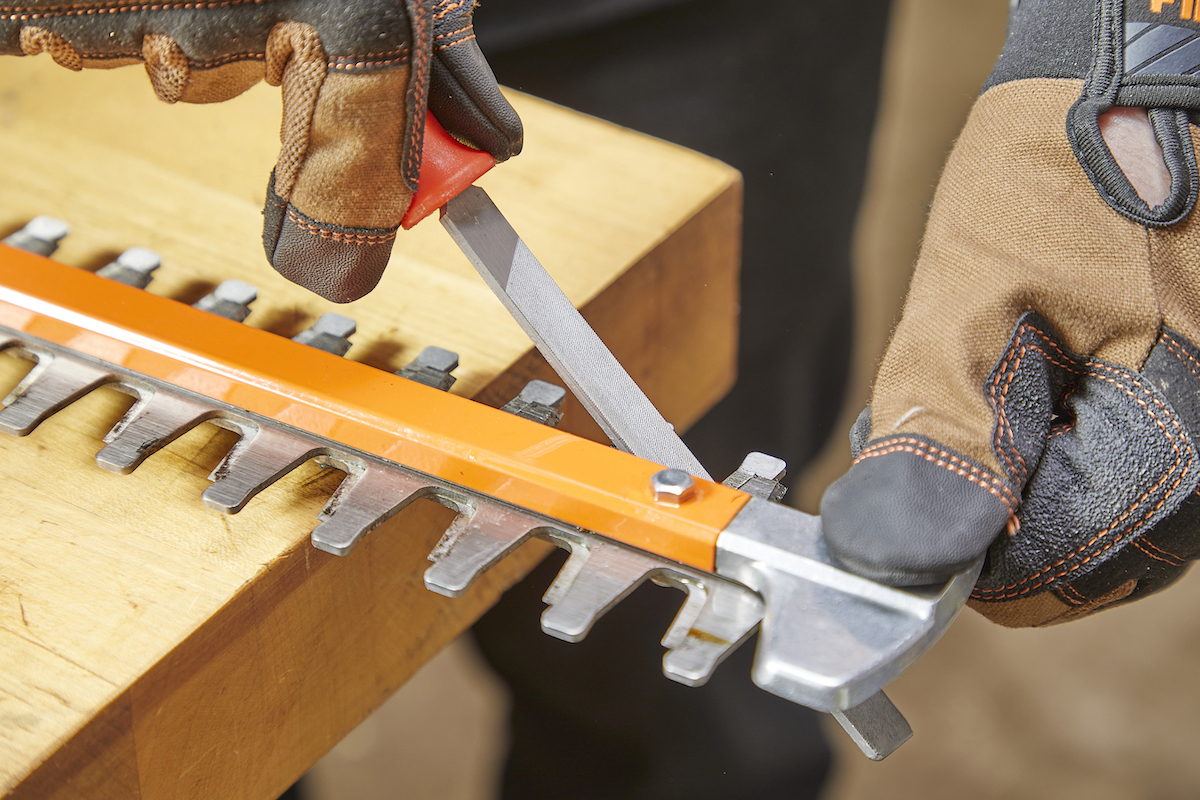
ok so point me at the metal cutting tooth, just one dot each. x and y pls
(726, 617)
(135, 267)
(432, 367)
(761, 476)
(566, 575)
(331, 333)
(231, 299)
(53, 383)
(596, 577)
(716, 617)
(153, 422)
(260, 457)
(689, 613)
(473, 543)
(365, 499)
(538, 401)
(40, 235)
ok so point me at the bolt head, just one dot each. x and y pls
(672, 487)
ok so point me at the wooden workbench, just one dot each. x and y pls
(151, 648)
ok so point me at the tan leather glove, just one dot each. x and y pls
(356, 79)
(1040, 398)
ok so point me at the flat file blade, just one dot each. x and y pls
(562, 335)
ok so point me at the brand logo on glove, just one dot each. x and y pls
(1188, 9)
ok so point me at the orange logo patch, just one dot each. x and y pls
(1188, 9)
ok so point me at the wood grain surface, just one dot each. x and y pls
(150, 648)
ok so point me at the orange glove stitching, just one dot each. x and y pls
(1003, 593)
(422, 46)
(1157, 553)
(1172, 429)
(446, 6)
(944, 459)
(1075, 599)
(448, 45)
(340, 236)
(1177, 350)
(80, 9)
(400, 55)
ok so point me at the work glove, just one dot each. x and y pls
(356, 80)
(1040, 398)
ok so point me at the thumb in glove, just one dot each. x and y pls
(356, 79)
(1040, 399)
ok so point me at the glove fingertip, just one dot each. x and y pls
(912, 513)
(340, 264)
(467, 101)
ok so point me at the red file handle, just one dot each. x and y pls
(447, 167)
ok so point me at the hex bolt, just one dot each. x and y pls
(672, 487)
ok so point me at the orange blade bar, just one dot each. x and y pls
(549, 472)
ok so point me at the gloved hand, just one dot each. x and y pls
(356, 79)
(1040, 398)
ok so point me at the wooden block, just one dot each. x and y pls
(152, 648)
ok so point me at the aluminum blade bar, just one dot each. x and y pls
(562, 335)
